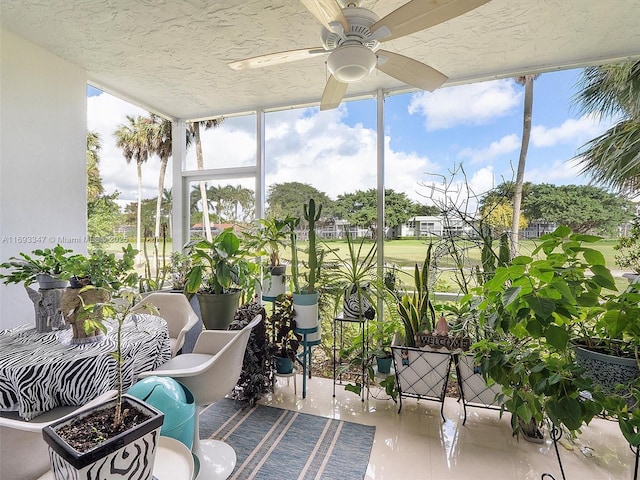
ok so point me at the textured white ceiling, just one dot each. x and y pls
(170, 56)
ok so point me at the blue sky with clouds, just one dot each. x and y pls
(478, 126)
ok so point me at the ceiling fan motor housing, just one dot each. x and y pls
(353, 56)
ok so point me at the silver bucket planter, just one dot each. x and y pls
(129, 455)
(608, 371)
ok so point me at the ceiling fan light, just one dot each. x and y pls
(351, 63)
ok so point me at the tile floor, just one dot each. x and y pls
(417, 445)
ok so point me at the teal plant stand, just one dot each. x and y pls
(305, 357)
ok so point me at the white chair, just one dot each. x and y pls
(176, 311)
(23, 452)
(211, 372)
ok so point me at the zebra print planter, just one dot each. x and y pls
(128, 456)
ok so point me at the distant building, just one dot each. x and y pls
(538, 228)
(429, 226)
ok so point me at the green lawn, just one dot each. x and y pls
(407, 252)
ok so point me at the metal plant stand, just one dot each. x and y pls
(555, 435)
(338, 346)
(421, 374)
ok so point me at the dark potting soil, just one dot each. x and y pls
(88, 432)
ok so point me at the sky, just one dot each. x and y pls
(427, 136)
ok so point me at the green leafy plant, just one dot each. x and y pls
(416, 308)
(356, 269)
(105, 269)
(48, 261)
(381, 336)
(270, 236)
(286, 341)
(532, 307)
(119, 306)
(220, 265)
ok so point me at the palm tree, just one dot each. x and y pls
(613, 158)
(133, 139)
(166, 204)
(193, 131)
(161, 145)
(94, 182)
(237, 198)
(527, 81)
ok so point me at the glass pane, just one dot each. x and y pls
(232, 143)
(329, 155)
(229, 203)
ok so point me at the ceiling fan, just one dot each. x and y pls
(352, 35)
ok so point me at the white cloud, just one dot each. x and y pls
(305, 146)
(507, 144)
(559, 172)
(571, 131)
(104, 114)
(319, 149)
(474, 104)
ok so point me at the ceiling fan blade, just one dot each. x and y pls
(333, 93)
(410, 71)
(419, 15)
(277, 58)
(326, 11)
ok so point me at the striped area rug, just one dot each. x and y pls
(276, 444)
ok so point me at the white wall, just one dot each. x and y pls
(42, 160)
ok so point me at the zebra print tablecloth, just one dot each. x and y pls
(41, 371)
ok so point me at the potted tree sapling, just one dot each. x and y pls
(117, 439)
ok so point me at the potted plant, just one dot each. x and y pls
(117, 439)
(305, 299)
(286, 342)
(381, 334)
(422, 357)
(255, 379)
(103, 269)
(355, 272)
(606, 341)
(99, 269)
(219, 273)
(534, 307)
(46, 266)
(272, 235)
